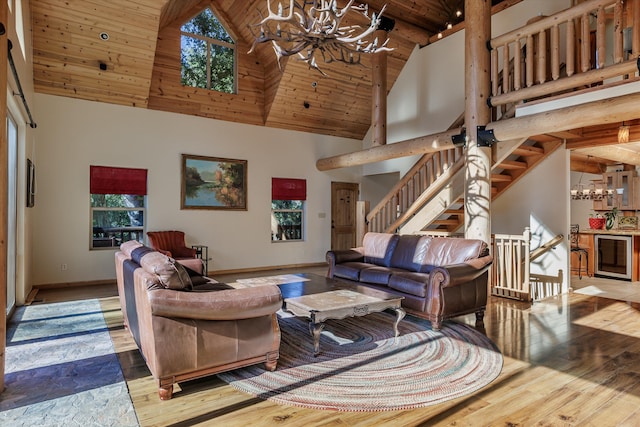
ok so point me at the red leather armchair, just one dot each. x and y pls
(171, 243)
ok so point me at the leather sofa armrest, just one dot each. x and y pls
(456, 274)
(230, 304)
(184, 252)
(345, 255)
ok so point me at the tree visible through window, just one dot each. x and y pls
(287, 218)
(208, 54)
(116, 218)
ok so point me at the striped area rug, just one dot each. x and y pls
(62, 370)
(362, 367)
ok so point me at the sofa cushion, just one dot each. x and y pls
(405, 255)
(451, 250)
(379, 247)
(409, 282)
(351, 270)
(172, 275)
(377, 275)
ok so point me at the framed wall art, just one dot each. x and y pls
(213, 183)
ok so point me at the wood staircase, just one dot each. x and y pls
(430, 197)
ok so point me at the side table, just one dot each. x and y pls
(202, 252)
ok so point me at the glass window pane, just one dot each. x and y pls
(286, 204)
(194, 62)
(207, 24)
(117, 201)
(222, 59)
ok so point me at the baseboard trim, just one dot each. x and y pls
(269, 268)
(75, 284)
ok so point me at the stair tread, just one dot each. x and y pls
(512, 164)
(528, 150)
(501, 178)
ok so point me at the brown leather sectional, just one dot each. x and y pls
(189, 326)
(439, 277)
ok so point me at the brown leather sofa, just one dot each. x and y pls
(189, 326)
(439, 277)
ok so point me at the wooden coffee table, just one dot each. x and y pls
(339, 304)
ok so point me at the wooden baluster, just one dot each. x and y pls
(494, 72)
(517, 66)
(505, 68)
(437, 164)
(542, 56)
(555, 52)
(432, 175)
(571, 47)
(585, 48)
(529, 60)
(600, 38)
(618, 44)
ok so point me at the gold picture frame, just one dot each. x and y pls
(213, 183)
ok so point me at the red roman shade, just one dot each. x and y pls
(288, 189)
(110, 180)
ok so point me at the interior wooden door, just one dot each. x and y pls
(344, 196)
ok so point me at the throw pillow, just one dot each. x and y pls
(173, 275)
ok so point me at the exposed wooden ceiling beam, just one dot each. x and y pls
(605, 111)
(616, 153)
(578, 165)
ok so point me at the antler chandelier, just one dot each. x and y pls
(313, 31)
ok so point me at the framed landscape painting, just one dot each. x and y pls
(213, 183)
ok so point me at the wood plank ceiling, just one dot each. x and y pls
(140, 63)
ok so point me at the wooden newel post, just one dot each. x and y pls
(477, 196)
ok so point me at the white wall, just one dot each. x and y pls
(73, 134)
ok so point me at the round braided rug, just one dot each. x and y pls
(363, 367)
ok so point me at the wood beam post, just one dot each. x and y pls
(477, 194)
(4, 64)
(379, 94)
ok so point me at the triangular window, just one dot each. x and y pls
(208, 54)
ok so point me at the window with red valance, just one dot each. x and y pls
(287, 209)
(113, 180)
(117, 204)
(288, 189)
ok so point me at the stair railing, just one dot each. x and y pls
(511, 265)
(399, 202)
(511, 268)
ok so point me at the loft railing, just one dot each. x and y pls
(565, 52)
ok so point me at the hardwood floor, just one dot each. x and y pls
(572, 360)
